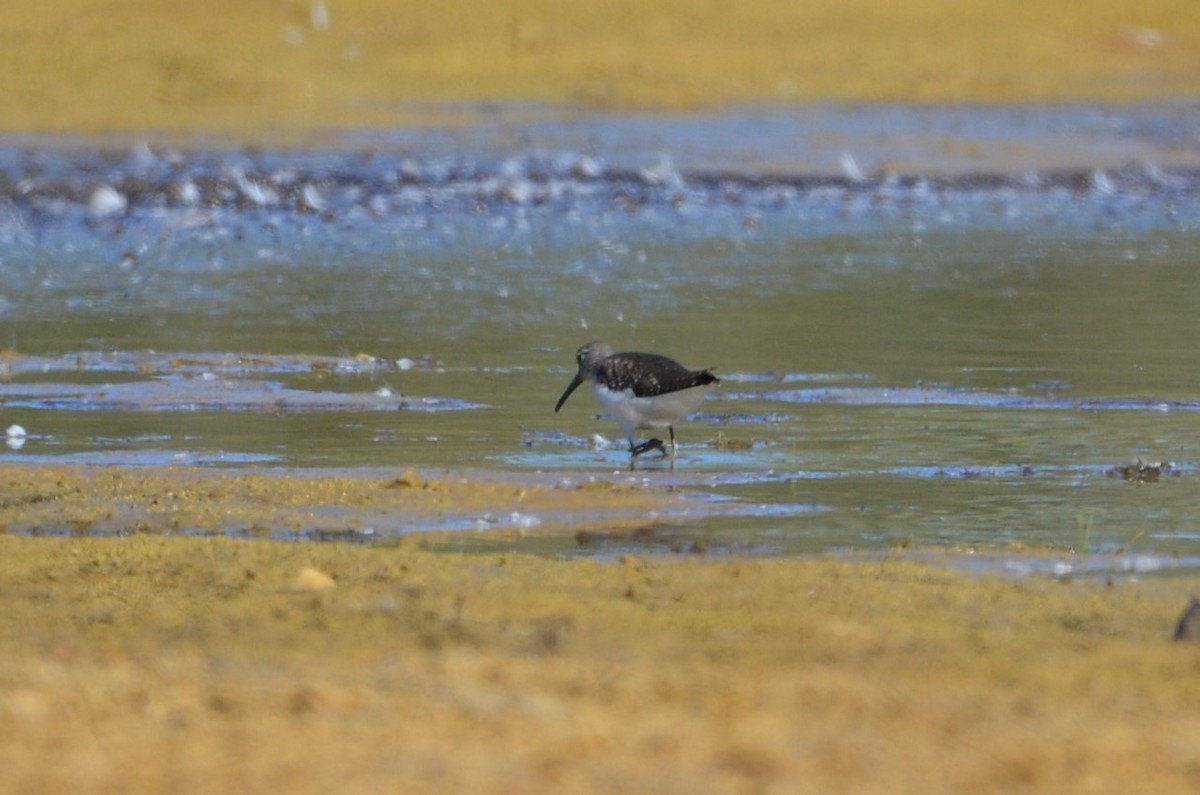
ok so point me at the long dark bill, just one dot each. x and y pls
(571, 387)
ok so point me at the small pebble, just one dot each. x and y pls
(14, 437)
(311, 580)
(107, 201)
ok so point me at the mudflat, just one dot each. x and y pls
(169, 659)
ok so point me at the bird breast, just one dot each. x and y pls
(659, 411)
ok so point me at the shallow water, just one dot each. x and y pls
(936, 328)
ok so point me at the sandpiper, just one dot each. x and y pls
(640, 391)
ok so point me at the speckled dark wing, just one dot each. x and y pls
(649, 374)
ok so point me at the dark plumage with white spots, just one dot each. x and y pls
(649, 374)
(640, 390)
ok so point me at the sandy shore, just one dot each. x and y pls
(156, 663)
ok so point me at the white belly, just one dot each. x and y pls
(632, 413)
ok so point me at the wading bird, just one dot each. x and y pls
(640, 391)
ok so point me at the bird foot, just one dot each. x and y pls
(647, 446)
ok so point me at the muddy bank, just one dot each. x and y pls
(146, 664)
(299, 67)
(200, 662)
(313, 505)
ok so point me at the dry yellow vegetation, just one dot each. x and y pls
(264, 65)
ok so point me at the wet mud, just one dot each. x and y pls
(315, 505)
(204, 382)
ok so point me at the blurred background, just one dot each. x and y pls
(302, 65)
